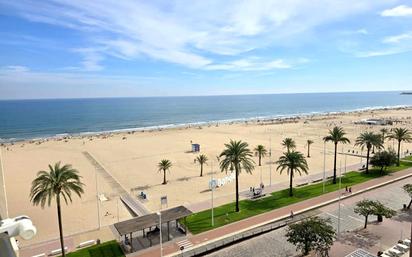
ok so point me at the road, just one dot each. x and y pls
(275, 244)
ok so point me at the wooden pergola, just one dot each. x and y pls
(128, 227)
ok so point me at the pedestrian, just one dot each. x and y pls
(346, 188)
(350, 189)
(291, 214)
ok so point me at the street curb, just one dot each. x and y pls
(297, 212)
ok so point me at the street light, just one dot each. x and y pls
(159, 213)
(324, 165)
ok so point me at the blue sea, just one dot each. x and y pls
(28, 119)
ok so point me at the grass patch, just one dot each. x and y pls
(107, 249)
(225, 214)
(409, 158)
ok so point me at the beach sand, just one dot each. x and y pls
(131, 158)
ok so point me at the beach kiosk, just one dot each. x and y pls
(195, 148)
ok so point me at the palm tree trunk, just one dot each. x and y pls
(399, 152)
(201, 169)
(334, 164)
(237, 189)
(290, 183)
(164, 177)
(260, 158)
(409, 205)
(308, 150)
(59, 217)
(366, 221)
(367, 161)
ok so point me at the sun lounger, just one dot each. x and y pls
(385, 255)
(407, 241)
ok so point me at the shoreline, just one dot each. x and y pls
(259, 120)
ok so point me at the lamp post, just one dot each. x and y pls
(98, 200)
(212, 185)
(270, 161)
(340, 183)
(324, 165)
(159, 213)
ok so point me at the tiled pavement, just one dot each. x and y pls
(200, 239)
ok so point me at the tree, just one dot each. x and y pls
(58, 182)
(381, 210)
(261, 150)
(201, 159)
(237, 155)
(368, 140)
(369, 207)
(289, 144)
(364, 208)
(408, 190)
(384, 159)
(384, 132)
(293, 162)
(309, 142)
(400, 134)
(163, 166)
(314, 233)
(336, 135)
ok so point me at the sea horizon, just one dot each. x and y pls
(26, 119)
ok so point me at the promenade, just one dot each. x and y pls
(202, 239)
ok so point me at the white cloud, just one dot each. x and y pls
(14, 68)
(398, 11)
(398, 38)
(255, 64)
(195, 34)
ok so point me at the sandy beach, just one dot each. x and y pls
(131, 158)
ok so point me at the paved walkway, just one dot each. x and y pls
(172, 248)
(133, 204)
(204, 205)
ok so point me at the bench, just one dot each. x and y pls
(257, 196)
(87, 243)
(40, 255)
(58, 251)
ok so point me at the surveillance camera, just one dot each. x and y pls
(19, 226)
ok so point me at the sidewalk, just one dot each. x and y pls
(245, 194)
(171, 248)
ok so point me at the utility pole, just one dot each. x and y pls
(324, 165)
(270, 161)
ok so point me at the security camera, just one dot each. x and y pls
(19, 226)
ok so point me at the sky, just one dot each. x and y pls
(112, 48)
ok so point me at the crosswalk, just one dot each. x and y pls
(185, 244)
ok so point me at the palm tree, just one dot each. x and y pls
(163, 166)
(294, 162)
(309, 142)
(289, 144)
(336, 135)
(238, 156)
(400, 134)
(58, 181)
(201, 159)
(261, 150)
(368, 140)
(384, 132)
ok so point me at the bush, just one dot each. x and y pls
(384, 159)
